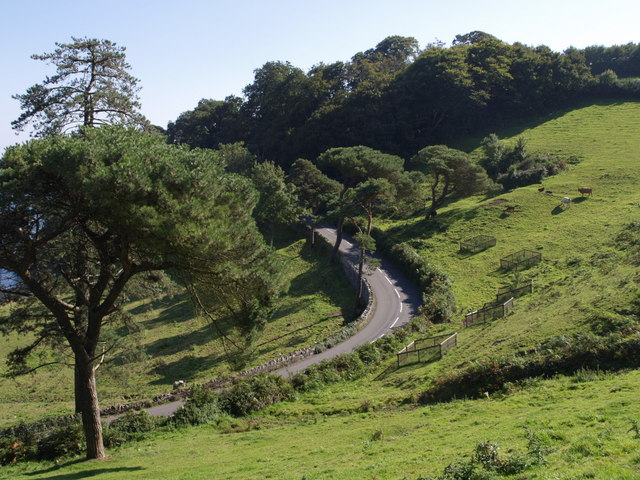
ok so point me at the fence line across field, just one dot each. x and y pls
(488, 313)
(504, 293)
(426, 349)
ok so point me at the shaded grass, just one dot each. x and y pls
(173, 343)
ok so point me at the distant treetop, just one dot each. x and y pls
(91, 86)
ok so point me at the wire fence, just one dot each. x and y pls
(488, 313)
(427, 349)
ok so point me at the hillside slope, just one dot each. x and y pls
(371, 428)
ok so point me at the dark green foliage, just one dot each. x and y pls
(13, 449)
(397, 98)
(61, 442)
(200, 408)
(514, 167)
(91, 87)
(438, 302)
(623, 60)
(449, 172)
(277, 204)
(314, 189)
(248, 395)
(209, 124)
(369, 354)
(344, 367)
(130, 426)
(604, 322)
(82, 215)
(134, 422)
(556, 355)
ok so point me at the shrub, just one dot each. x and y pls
(134, 422)
(130, 426)
(556, 355)
(61, 442)
(369, 354)
(252, 394)
(200, 408)
(437, 297)
(13, 450)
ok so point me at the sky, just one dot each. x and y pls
(183, 51)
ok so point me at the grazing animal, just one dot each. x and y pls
(566, 201)
(586, 190)
(510, 208)
(549, 192)
(541, 189)
(178, 384)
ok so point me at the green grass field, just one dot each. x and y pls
(585, 423)
(365, 429)
(173, 343)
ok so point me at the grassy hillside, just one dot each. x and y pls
(173, 343)
(371, 428)
(585, 425)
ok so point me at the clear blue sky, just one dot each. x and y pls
(186, 50)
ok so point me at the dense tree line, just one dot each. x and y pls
(398, 98)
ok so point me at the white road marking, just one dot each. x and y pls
(394, 322)
(396, 290)
(388, 279)
(400, 307)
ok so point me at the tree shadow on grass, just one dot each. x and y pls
(79, 475)
(468, 143)
(186, 368)
(427, 228)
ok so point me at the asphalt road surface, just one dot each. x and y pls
(397, 301)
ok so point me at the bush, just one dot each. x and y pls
(556, 355)
(349, 366)
(252, 394)
(130, 426)
(134, 422)
(61, 442)
(201, 407)
(437, 296)
(13, 450)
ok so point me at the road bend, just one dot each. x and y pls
(397, 301)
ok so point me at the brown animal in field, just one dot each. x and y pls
(541, 189)
(585, 190)
(510, 208)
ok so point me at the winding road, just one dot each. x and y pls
(397, 302)
(396, 299)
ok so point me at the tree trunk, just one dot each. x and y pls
(77, 389)
(360, 270)
(334, 252)
(90, 408)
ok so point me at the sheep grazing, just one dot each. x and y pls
(585, 191)
(566, 201)
(178, 384)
